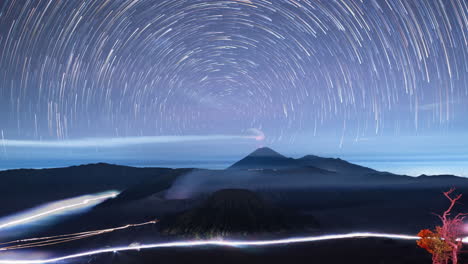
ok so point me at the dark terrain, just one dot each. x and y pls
(232, 212)
(264, 195)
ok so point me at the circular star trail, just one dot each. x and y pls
(84, 68)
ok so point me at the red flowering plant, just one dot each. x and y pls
(445, 242)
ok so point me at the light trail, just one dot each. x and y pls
(86, 200)
(55, 208)
(219, 243)
(60, 239)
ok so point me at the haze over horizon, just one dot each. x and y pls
(412, 165)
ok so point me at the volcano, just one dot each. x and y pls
(265, 158)
(228, 212)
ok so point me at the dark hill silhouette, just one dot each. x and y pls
(26, 188)
(332, 171)
(335, 165)
(229, 212)
(266, 158)
(262, 169)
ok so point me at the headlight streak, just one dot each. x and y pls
(60, 239)
(59, 209)
(219, 243)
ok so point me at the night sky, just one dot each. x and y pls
(189, 78)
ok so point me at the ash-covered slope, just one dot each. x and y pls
(229, 212)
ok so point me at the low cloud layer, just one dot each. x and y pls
(117, 142)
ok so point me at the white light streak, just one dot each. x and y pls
(60, 239)
(218, 243)
(55, 208)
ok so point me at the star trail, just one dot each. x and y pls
(130, 68)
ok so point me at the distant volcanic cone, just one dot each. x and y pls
(265, 158)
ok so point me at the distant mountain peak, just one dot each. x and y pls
(264, 158)
(267, 158)
(310, 157)
(265, 152)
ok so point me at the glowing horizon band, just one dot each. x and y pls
(56, 210)
(219, 243)
(119, 141)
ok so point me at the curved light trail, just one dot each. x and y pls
(219, 243)
(55, 208)
(59, 239)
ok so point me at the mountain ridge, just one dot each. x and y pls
(263, 169)
(267, 158)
